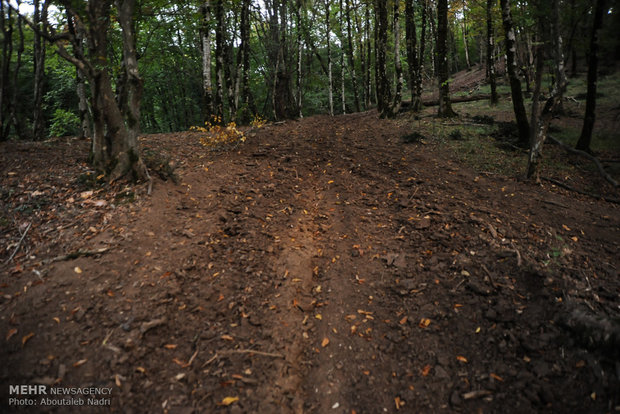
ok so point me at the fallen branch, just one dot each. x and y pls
(588, 156)
(568, 187)
(19, 243)
(405, 105)
(241, 351)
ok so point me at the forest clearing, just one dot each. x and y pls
(407, 251)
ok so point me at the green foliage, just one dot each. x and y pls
(64, 123)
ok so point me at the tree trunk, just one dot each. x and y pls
(205, 37)
(85, 129)
(490, 50)
(219, 61)
(39, 16)
(368, 83)
(14, 116)
(465, 45)
(585, 138)
(445, 107)
(412, 58)
(420, 70)
(351, 57)
(299, 59)
(381, 38)
(395, 108)
(329, 59)
(342, 40)
(558, 56)
(247, 99)
(511, 67)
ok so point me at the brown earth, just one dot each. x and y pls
(324, 266)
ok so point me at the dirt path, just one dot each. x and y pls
(324, 267)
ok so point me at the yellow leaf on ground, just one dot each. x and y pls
(325, 342)
(170, 346)
(462, 359)
(227, 337)
(77, 270)
(229, 400)
(424, 322)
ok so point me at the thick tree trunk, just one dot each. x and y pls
(445, 107)
(511, 67)
(395, 107)
(585, 138)
(490, 50)
(205, 37)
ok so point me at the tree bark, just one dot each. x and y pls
(329, 59)
(395, 107)
(246, 93)
(351, 58)
(490, 50)
(464, 32)
(445, 107)
(39, 16)
(585, 138)
(218, 107)
(412, 58)
(205, 37)
(381, 38)
(511, 67)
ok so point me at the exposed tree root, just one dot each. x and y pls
(588, 156)
(568, 187)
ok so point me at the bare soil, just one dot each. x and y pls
(323, 266)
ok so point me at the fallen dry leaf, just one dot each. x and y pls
(227, 337)
(10, 333)
(170, 346)
(424, 322)
(426, 370)
(229, 400)
(403, 320)
(77, 270)
(80, 362)
(461, 358)
(325, 342)
(26, 338)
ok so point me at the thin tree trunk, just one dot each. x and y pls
(585, 138)
(329, 59)
(40, 16)
(381, 38)
(420, 70)
(558, 56)
(299, 60)
(342, 40)
(464, 32)
(205, 36)
(445, 107)
(511, 67)
(412, 58)
(351, 57)
(15, 120)
(219, 61)
(85, 128)
(369, 49)
(246, 93)
(397, 63)
(490, 50)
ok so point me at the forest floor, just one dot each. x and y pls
(325, 265)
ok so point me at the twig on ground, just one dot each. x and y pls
(241, 351)
(19, 243)
(519, 261)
